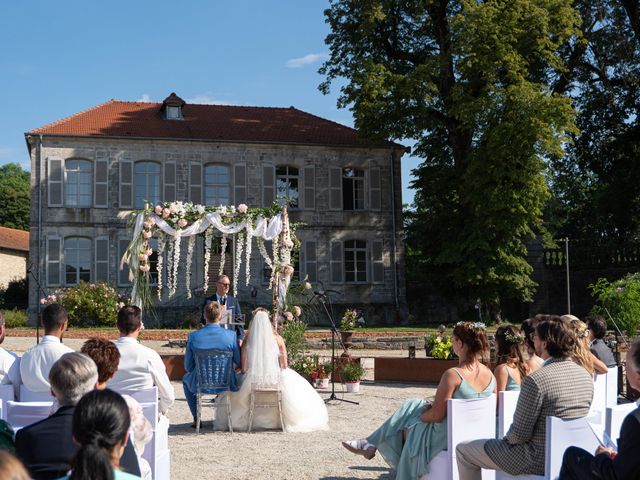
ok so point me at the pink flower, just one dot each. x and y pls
(147, 224)
(288, 315)
(146, 234)
(182, 223)
(172, 209)
(297, 311)
(619, 289)
(43, 301)
(144, 268)
(288, 243)
(143, 257)
(149, 252)
(287, 271)
(152, 221)
(165, 213)
(158, 210)
(120, 305)
(242, 208)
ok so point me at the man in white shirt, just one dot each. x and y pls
(9, 364)
(140, 367)
(38, 360)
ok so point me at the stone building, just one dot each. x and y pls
(14, 255)
(90, 168)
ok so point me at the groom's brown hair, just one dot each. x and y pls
(212, 312)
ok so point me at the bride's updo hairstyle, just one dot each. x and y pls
(474, 337)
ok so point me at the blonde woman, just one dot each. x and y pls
(583, 355)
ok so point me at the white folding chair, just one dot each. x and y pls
(268, 396)
(27, 395)
(466, 420)
(23, 414)
(614, 418)
(560, 435)
(507, 402)
(611, 395)
(6, 395)
(599, 402)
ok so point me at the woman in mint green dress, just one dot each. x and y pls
(417, 431)
(101, 428)
(511, 367)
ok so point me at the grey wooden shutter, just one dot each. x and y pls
(240, 183)
(53, 260)
(101, 181)
(375, 194)
(125, 168)
(268, 185)
(336, 262)
(123, 275)
(169, 187)
(311, 260)
(101, 259)
(195, 182)
(309, 188)
(335, 188)
(54, 181)
(377, 261)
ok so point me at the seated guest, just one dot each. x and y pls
(9, 364)
(11, 468)
(417, 431)
(597, 330)
(101, 427)
(212, 335)
(106, 357)
(37, 361)
(534, 362)
(583, 356)
(561, 388)
(47, 447)
(140, 367)
(579, 464)
(511, 367)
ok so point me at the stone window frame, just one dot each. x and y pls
(87, 174)
(137, 175)
(67, 252)
(206, 186)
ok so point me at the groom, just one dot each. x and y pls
(212, 335)
(230, 302)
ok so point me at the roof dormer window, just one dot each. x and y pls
(172, 107)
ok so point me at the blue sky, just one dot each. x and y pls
(58, 58)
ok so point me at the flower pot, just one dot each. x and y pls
(322, 383)
(347, 338)
(353, 387)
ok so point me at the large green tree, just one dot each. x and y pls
(14, 196)
(469, 81)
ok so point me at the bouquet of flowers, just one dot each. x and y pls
(349, 320)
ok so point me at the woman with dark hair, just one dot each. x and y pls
(528, 327)
(101, 428)
(511, 367)
(417, 431)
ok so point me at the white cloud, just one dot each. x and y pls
(206, 99)
(145, 98)
(306, 60)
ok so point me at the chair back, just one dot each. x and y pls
(145, 395)
(27, 395)
(599, 401)
(6, 395)
(614, 418)
(213, 370)
(611, 395)
(23, 414)
(562, 434)
(507, 402)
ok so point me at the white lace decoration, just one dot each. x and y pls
(223, 252)
(161, 245)
(207, 256)
(238, 262)
(190, 245)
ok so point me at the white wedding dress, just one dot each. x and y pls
(302, 408)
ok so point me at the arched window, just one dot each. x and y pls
(78, 191)
(287, 185)
(217, 188)
(147, 183)
(77, 260)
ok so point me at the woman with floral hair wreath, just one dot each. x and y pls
(417, 431)
(511, 367)
(583, 355)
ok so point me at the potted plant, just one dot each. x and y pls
(320, 377)
(347, 326)
(352, 373)
(438, 346)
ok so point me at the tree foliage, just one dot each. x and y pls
(14, 196)
(470, 81)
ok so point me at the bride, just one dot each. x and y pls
(264, 363)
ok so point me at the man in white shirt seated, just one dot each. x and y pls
(9, 364)
(140, 367)
(38, 360)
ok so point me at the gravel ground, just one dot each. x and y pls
(274, 455)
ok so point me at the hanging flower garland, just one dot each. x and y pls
(208, 237)
(190, 245)
(238, 262)
(161, 244)
(223, 252)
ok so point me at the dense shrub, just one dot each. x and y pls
(621, 299)
(16, 295)
(14, 318)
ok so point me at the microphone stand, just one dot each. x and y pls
(44, 295)
(323, 299)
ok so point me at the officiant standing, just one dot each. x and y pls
(228, 301)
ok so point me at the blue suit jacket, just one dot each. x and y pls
(232, 303)
(210, 336)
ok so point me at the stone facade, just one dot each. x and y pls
(14, 265)
(382, 296)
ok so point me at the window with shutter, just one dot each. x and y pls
(77, 260)
(101, 181)
(125, 168)
(169, 190)
(240, 183)
(335, 188)
(287, 185)
(375, 190)
(54, 181)
(377, 261)
(54, 244)
(311, 260)
(355, 261)
(217, 185)
(268, 185)
(101, 259)
(353, 189)
(78, 183)
(195, 182)
(336, 262)
(123, 273)
(309, 190)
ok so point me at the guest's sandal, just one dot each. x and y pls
(361, 447)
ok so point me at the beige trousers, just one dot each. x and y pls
(471, 458)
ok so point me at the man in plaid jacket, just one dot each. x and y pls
(561, 388)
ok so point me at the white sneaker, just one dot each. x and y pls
(364, 448)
